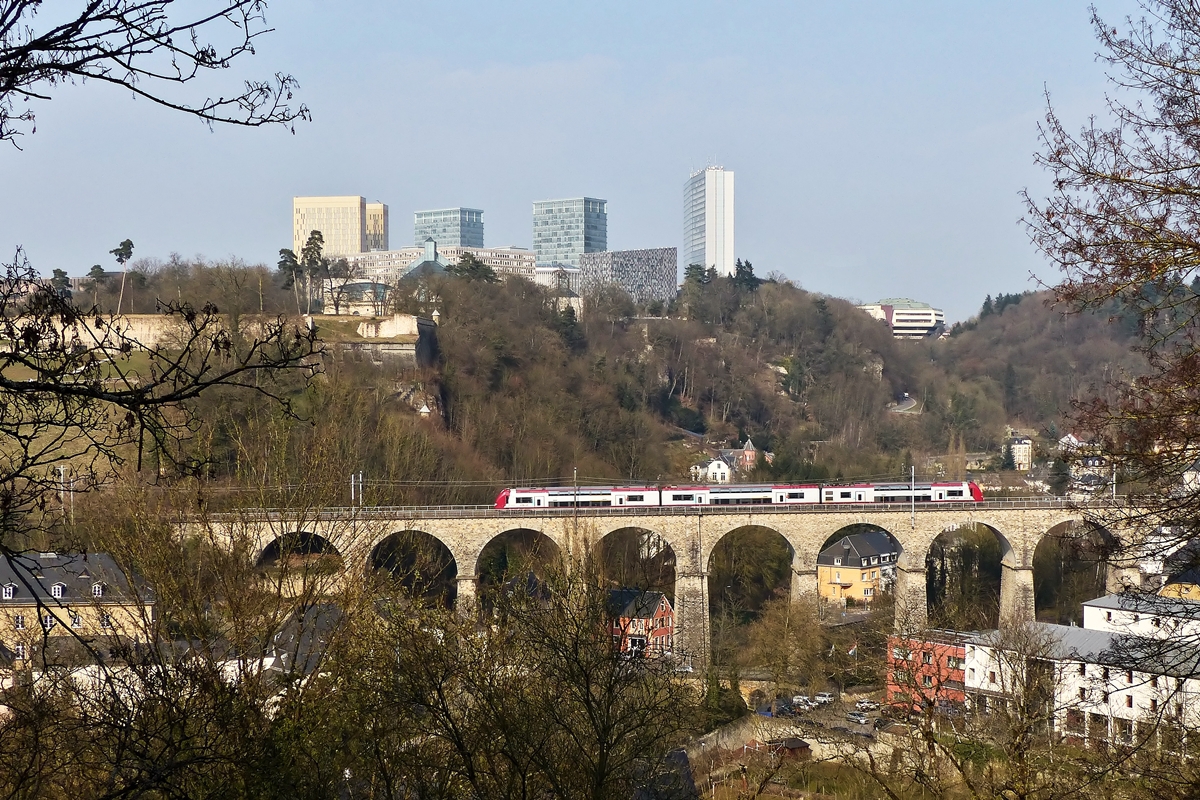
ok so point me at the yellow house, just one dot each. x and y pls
(47, 598)
(857, 567)
(1185, 586)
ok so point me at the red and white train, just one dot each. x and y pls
(737, 495)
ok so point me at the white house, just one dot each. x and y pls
(714, 470)
(1130, 674)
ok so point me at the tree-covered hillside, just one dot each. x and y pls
(528, 393)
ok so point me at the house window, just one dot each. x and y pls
(837, 576)
(1083, 669)
(1082, 693)
(19, 622)
(56, 590)
(868, 592)
(19, 650)
(1108, 616)
(97, 590)
(1154, 682)
(874, 574)
(927, 681)
(106, 622)
(837, 562)
(76, 621)
(1153, 706)
(864, 577)
(1129, 676)
(991, 676)
(926, 658)
(8, 591)
(971, 673)
(1129, 701)
(48, 621)
(1104, 674)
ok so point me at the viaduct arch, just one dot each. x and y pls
(692, 534)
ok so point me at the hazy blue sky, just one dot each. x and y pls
(879, 146)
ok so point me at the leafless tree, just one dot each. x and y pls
(148, 47)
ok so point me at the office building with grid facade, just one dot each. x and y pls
(449, 227)
(646, 274)
(563, 230)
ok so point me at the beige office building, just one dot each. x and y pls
(349, 225)
(377, 227)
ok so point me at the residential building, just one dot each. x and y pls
(377, 227)
(390, 265)
(708, 220)
(1103, 688)
(646, 275)
(48, 596)
(563, 230)
(908, 319)
(930, 670)
(713, 470)
(1022, 452)
(857, 567)
(449, 227)
(342, 222)
(642, 622)
(745, 458)
(1131, 673)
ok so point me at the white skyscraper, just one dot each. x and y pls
(708, 220)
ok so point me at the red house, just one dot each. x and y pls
(642, 623)
(926, 671)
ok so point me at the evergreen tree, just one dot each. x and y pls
(987, 307)
(471, 268)
(1008, 463)
(743, 276)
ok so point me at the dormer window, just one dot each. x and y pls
(56, 591)
(97, 590)
(8, 591)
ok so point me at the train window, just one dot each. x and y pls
(846, 495)
(636, 498)
(795, 495)
(524, 499)
(954, 493)
(683, 497)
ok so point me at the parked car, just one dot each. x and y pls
(822, 698)
(803, 700)
(858, 718)
(866, 705)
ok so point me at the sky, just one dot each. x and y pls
(880, 148)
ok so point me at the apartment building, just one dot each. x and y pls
(50, 596)
(856, 568)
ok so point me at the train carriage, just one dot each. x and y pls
(738, 495)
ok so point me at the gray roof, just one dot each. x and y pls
(32, 577)
(1144, 603)
(862, 545)
(633, 603)
(1174, 657)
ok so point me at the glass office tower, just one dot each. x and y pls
(563, 230)
(708, 220)
(449, 227)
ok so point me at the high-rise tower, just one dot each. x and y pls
(708, 220)
(563, 230)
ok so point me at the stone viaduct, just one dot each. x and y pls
(691, 533)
